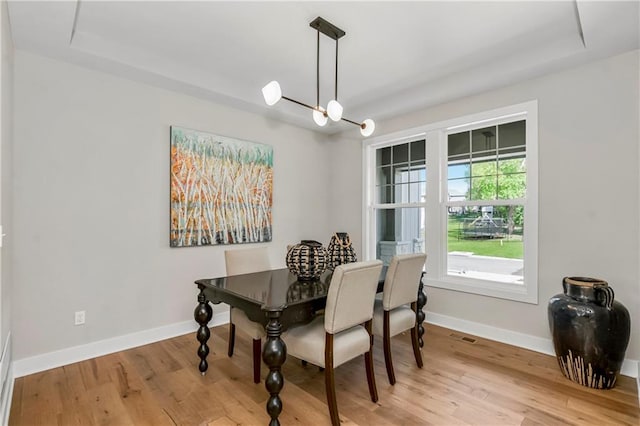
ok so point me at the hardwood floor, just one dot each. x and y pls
(481, 383)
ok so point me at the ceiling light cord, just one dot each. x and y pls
(273, 93)
(334, 109)
(319, 114)
(318, 69)
(336, 96)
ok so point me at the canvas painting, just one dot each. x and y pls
(221, 189)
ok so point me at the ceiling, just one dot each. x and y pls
(396, 56)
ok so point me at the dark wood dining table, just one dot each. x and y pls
(278, 300)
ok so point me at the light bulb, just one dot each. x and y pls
(334, 109)
(272, 93)
(319, 117)
(367, 127)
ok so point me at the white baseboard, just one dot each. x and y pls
(67, 356)
(35, 364)
(5, 360)
(7, 396)
(6, 381)
(638, 380)
(629, 368)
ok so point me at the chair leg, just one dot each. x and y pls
(257, 350)
(329, 380)
(232, 338)
(368, 362)
(415, 341)
(386, 343)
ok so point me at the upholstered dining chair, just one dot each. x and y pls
(246, 261)
(395, 312)
(344, 331)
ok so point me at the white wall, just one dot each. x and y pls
(6, 185)
(91, 209)
(346, 187)
(588, 188)
(91, 197)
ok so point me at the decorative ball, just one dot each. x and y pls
(307, 260)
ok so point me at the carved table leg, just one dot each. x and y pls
(421, 302)
(202, 314)
(274, 354)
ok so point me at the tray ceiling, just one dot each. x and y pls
(395, 57)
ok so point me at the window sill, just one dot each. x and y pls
(500, 290)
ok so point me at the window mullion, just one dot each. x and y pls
(500, 202)
(397, 205)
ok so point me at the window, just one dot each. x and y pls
(400, 186)
(486, 186)
(465, 192)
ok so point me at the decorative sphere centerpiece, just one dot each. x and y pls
(307, 260)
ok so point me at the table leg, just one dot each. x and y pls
(274, 354)
(202, 314)
(421, 302)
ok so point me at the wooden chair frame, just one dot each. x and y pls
(386, 343)
(257, 352)
(329, 378)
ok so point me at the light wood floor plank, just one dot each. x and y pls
(481, 383)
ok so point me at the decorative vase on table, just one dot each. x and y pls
(307, 260)
(340, 250)
(590, 332)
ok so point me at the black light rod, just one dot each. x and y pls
(336, 98)
(318, 69)
(316, 109)
(299, 103)
(352, 122)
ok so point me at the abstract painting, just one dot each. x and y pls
(221, 189)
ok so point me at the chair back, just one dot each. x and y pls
(246, 261)
(402, 280)
(351, 295)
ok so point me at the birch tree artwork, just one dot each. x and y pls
(221, 189)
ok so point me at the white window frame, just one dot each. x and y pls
(436, 203)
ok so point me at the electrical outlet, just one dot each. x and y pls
(79, 320)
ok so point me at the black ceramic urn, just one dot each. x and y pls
(590, 332)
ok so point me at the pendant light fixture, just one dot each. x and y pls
(273, 93)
